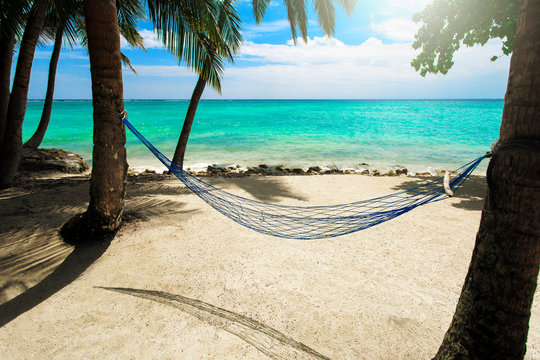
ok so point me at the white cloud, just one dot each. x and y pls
(150, 40)
(397, 29)
(328, 68)
(168, 71)
(400, 7)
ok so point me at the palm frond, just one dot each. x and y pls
(326, 14)
(127, 62)
(129, 12)
(259, 9)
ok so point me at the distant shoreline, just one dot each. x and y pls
(279, 99)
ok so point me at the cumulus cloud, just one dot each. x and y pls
(397, 29)
(328, 68)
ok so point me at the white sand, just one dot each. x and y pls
(387, 292)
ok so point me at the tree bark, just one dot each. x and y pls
(491, 320)
(180, 151)
(37, 138)
(109, 165)
(7, 45)
(11, 148)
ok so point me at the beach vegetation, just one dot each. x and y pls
(228, 24)
(60, 24)
(12, 16)
(491, 320)
(11, 146)
(449, 24)
(229, 27)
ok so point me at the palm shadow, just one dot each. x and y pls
(34, 261)
(267, 340)
(267, 189)
(70, 269)
(471, 193)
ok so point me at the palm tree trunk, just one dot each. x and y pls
(491, 320)
(11, 148)
(180, 151)
(7, 44)
(109, 165)
(37, 138)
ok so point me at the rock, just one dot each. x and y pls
(390, 173)
(263, 166)
(365, 172)
(401, 171)
(52, 160)
(314, 169)
(363, 164)
(298, 171)
(376, 173)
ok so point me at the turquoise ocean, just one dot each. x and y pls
(417, 134)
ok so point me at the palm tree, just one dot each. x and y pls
(12, 16)
(109, 170)
(57, 21)
(491, 320)
(296, 12)
(129, 12)
(11, 147)
(228, 25)
(109, 165)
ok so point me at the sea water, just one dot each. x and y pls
(417, 134)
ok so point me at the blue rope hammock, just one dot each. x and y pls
(312, 222)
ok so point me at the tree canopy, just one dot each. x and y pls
(448, 24)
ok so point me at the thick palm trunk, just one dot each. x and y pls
(109, 165)
(38, 136)
(7, 44)
(492, 315)
(11, 148)
(180, 151)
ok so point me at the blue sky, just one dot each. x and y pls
(368, 58)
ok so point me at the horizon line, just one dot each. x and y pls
(297, 99)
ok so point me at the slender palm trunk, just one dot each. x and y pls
(37, 138)
(492, 316)
(7, 44)
(11, 148)
(180, 151)
(109, 165)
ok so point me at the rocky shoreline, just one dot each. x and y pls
(265, 170)
(58, 160)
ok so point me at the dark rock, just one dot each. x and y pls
(298, 171)
(401, 171)
(52, 160)
(365, 172)
(376, 173)
(314, 169)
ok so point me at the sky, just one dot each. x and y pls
(367, 58)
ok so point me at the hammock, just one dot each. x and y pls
(312, 222)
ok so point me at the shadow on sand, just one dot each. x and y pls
(73, 266)
(267, 340)
(471, 194)
(34, 261)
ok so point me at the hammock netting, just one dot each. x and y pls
(311, 222)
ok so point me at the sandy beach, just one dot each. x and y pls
(181, 281)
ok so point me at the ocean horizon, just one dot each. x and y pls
(369, 133)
